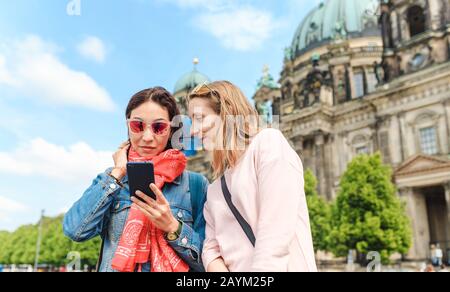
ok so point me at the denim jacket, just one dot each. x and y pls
(103, 211)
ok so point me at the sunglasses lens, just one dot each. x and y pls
(160, 128)
(137, 126)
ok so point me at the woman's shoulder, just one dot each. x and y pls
(272, 145)
(196, 177)
(270, 141)
(269, 133)
(198, 185)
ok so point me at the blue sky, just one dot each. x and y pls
(65, 79)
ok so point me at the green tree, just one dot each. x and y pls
(19, 247)
(367, 215)
(4, 241)
(319, 213)
(55, 246)
(89, 251)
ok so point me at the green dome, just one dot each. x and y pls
(334, 19)
(190, 81)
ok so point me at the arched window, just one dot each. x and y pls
(361, 144)
(416, 20)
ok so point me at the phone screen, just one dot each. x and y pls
(140, 176)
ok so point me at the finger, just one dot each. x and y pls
(139, 203)
(159, 195)
(146, 198)
(146, 213)
(124, 144)
(125, 148)
(154, 214)
(148, 209)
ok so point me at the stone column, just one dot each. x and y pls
(435, 14)
(333, 164)
(345, 150)
(319, 152)
(299, 144)
(386, 26)
(446, 105)
(402, 134)
(417, 213)
(447, 199)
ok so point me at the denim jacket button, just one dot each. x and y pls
(180, 215)
(117, 206)
(112, 186)
(184, 241)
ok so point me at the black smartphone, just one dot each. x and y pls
(140, 176)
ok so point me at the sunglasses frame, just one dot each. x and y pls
(149, 125)
(211, 91)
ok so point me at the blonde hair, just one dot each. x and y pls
(228, 101)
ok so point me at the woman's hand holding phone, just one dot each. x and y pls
(158, 211)
(120, 161)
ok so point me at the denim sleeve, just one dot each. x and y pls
(189, 244)
(86, 218)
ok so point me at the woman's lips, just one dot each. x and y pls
(147, 148)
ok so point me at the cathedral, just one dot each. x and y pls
(366, 76)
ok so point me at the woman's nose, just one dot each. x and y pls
(148, 135)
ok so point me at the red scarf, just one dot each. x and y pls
(141, 242)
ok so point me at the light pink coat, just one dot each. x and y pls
(267, 187)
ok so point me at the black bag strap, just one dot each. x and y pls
(244, 224)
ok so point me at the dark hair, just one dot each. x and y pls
(160, 96)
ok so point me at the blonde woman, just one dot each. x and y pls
(256, 214)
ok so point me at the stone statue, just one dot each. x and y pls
(379, 72)
(264, 110)
(297, 101)
(288, 53)
(340, 33)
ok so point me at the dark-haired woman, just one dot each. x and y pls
(161, 235)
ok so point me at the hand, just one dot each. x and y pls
(120, 161)
(158, 212)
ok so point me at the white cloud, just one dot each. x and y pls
(92, 48)
(8, 208)
(5, 76)
(241, 29)
(37, 71)
(236, 25)
(63, 210)
(207, 4)
(8, 205)
(76, 163)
